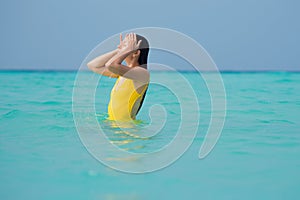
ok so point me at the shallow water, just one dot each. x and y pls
(256, 157)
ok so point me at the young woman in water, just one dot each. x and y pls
(129, 91)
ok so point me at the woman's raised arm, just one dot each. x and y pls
(97, 65)
(115, 65)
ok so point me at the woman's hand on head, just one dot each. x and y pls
(122, 43)
(129, 44)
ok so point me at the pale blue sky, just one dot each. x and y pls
(239, 35)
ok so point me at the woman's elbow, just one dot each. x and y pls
(90, 65)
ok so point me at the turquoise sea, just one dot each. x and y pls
(256, 157)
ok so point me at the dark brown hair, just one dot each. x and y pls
(143, 60)
(144, 51)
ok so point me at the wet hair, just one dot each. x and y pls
(144, 51)
(143, 61)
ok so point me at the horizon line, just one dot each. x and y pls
(155, 70)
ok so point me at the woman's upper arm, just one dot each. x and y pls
(103, 71)
(138, 73)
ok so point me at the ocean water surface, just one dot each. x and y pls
(256, 157)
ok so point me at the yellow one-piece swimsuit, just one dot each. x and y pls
(123, 97)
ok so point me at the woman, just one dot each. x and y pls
(129, 91)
